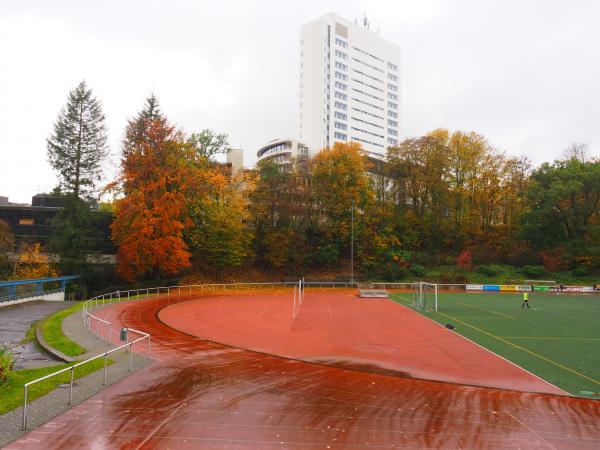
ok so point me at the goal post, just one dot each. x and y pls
(425, 296)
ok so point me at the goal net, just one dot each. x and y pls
(425, 296)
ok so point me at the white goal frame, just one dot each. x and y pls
(418, 286)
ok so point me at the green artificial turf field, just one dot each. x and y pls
(558, 339)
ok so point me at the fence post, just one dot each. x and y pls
(105, 364)
(71, 384)
(130, 355)
(24, 423)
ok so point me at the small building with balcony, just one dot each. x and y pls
(282, 151)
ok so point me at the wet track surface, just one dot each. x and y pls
(204, 395)
(337, 327)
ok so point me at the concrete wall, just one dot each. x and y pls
(52, 297)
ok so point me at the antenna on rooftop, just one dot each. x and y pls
(365, 20)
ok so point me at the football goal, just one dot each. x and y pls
(425, 296)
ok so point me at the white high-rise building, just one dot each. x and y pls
(349, 85)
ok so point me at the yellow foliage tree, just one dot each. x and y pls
(32, 264)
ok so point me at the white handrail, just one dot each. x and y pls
(88, 318)
(72, 369)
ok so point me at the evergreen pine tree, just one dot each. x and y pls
(78, 144)
(137, 126)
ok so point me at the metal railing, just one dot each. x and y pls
(127, 346)
(98, 325)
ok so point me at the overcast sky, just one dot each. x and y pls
(525, 74)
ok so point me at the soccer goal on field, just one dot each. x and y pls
(425, 296)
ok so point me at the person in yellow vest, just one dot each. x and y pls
(525, 300)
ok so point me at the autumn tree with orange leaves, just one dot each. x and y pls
(156, 172)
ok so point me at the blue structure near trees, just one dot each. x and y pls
(18, 289)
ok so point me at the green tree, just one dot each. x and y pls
(74, 236)
(218, 235)
(78, 145)
(283, 212)
(208, 144)
(563, 204)
(341, 186)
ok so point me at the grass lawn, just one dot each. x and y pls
(51, 328)
(558, 339)
(11, 393)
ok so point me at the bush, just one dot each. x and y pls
(7, 363)
(581, 271)
(454, 278)
(490, 270)
(418, 270)
(554, 260)
(465, 261)
(534, 271)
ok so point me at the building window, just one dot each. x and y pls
(392, 123)
(367, 113)
(357, 139)
(368, 76)
(341, 105)
(341, 86)
(341, 126)
(392, 132)
(367, 122)
(26, 221)
(341, 136)
(340, 115)
(367, 94)
(392, 77)
(367, 103)
(368, 54)
(392, 96)
(393, 114)
(341, 76)
(341, 66)
(393, 67)
(392, 87)
(367, 84)
(368, 65)
(341, 55)
(341, 43)
(392, 105)
(341, 95)
(392, 141)
(367, 132)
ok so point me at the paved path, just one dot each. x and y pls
(15, 321)
(200, 394)
(43, 410)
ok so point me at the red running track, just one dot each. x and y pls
(338, 327)
(200, 394)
